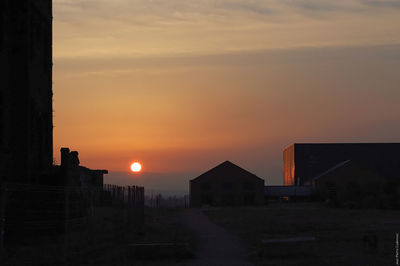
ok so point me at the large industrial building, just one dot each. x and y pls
(302, 162)
(26, 127)
(226, 184)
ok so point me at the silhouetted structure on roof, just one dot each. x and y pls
(302, 162)
(226, 184)
(73, 174)
(26, 141)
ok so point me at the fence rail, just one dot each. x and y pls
(74, 220)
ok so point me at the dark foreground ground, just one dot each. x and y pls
(339, 232)
(105, 243)
(215, 245)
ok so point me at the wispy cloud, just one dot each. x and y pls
(248, 6)
(160, 27)
(382, 3)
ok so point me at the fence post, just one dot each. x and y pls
(92, 222)
(130, 208)
(66, 218)
(141, 209)
(3, 198)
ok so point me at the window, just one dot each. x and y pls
(207, 199)
(227, 185)
(249, 199)
(228, 200)
(248, 186)
(331, 189)
(206, 186)
(2, 122)
(2, 26)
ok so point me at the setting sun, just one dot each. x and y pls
(136, 167)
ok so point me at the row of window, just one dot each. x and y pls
(40, 37)
(2, 28)
(228, 199)
(40, 33)
(228, 186)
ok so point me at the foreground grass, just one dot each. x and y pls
(104, 242)
(339, 232)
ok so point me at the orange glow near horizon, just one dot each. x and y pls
(136, 167)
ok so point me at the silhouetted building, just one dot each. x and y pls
(72, 174)
(292, 192)
(347, 181)
(26, 148)
(226, 184)
(302, 162)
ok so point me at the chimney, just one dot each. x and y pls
(65, 158)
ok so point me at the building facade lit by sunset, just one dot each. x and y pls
(304, 161)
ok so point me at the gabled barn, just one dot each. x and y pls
(226, 184)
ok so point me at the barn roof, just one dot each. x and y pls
(227, 168)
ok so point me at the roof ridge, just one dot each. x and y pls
(227, 163)
(336, 166)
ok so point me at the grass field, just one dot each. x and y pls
(339, 232)
(104, 243)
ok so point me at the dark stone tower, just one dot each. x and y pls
(26, 126)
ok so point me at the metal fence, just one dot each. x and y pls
(55, 224)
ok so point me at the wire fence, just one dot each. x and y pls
(63, 225)
(157, 200)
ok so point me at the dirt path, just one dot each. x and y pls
(216, 246)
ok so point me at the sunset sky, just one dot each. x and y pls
(183, 85)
